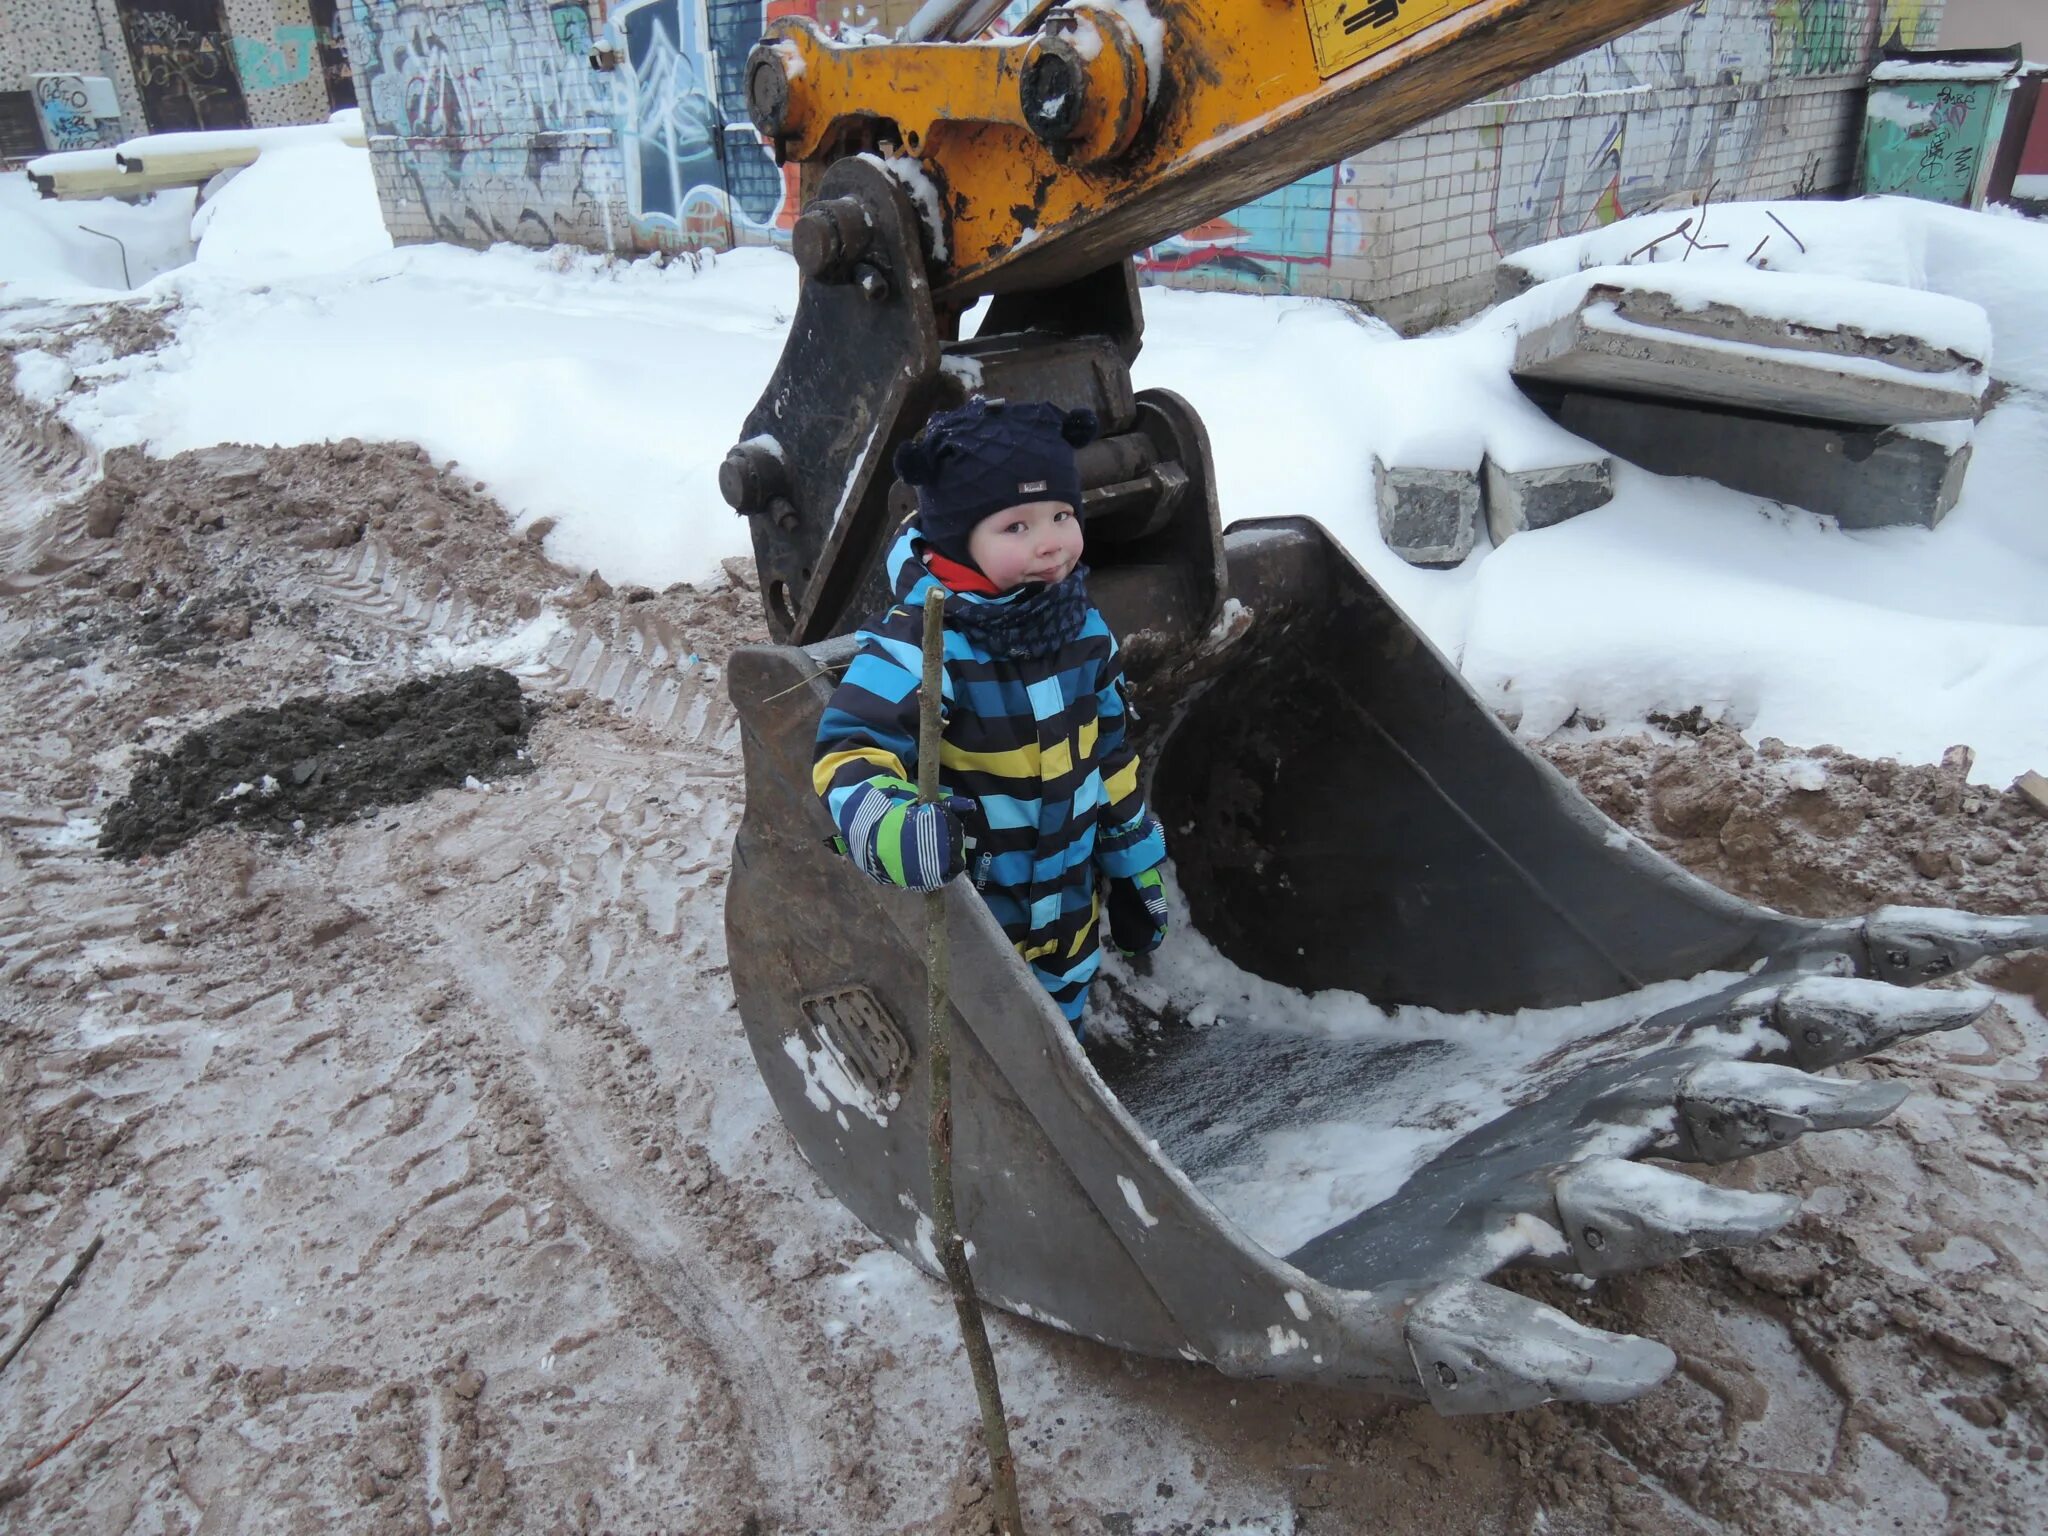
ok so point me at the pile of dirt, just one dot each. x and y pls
(442, 524)
(315, 761)
(1819, 832)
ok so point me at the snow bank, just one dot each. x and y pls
(1896, 643)
(46, 252)
(308, 205)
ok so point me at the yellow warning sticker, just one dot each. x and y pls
(1345, 32)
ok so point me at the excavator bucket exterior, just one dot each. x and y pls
(1351, 829)
(1460, 872)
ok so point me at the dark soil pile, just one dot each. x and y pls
(315, 761)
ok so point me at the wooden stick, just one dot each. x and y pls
(995, 1428)
(104, 1408)
(77, 1268)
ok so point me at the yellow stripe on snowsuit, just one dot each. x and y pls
(868, 757)
(1016, 763)
(1122, 783)
(1087, 929)
(1030, 763)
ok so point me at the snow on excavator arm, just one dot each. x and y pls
(1111, 125)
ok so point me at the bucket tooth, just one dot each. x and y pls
(1910, 945)
(1732, 1109)
(1480, 1349)
(1832, 1019)
(1620, 1215)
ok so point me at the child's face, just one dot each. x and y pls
(1035, 541)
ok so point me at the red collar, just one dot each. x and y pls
(961, 578)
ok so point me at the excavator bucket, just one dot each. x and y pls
(1426, 1011)
(1352, 830)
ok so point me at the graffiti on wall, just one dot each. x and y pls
(488, 118)
(696, 170)
(1917, 23)
(269, 64)
(671, 129)
(183, 66)
(1261, 245)
(1816, 37)
(64, 102)
(1925, 138)
(456, 71)
(1600, 162)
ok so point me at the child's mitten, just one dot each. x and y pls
(1137, 912)
(905, 842)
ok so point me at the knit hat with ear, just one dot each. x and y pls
(989, 455)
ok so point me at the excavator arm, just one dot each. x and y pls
(1110, 124)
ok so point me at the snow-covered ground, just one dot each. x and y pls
(433, 1169)
(604, 395)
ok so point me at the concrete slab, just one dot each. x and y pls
(1429, 517)
(1520, 499)
(2035, 788)
(1634, 338)
(1863, 477)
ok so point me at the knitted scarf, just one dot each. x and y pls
(1036, 622)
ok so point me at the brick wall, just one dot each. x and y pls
(1751, 98)
(487, 124)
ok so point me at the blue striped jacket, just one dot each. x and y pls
(1037, 743)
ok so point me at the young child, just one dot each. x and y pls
(1039, 779)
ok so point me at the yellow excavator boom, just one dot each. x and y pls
(1114, 124)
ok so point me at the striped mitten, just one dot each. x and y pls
(899, 841)
(1137, 912)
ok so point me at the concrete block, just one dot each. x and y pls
(1636, 339)
(1428, 517)
(1863, 477)
(1520, 499)
(2035, 788)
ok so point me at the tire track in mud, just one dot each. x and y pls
(579, 971)
(625, 887)
(44, 467)
(680, 740)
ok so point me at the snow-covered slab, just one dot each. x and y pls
(1835, 349)
(1979, 71)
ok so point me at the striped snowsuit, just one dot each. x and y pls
(1037, 743)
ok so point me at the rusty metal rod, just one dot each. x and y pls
(952, 1248)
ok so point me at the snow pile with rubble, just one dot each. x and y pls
(602, 395)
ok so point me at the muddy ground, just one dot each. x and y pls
(439, 1193)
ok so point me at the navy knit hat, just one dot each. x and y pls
(988, 455)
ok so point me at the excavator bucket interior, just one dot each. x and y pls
(1427, 1008)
